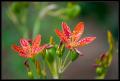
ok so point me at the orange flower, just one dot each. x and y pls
(28, 51)
(71, 39)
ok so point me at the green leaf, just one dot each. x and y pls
(19, 11)
(72, 11)
(18, 7)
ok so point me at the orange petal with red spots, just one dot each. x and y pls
(37, 40)
(78, 31)
(39, 49)
(24, 43)
(86, 41)
(17, 48)
(66, 29)
(61, 36)
(22, 54)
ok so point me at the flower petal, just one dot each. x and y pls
(78, 31)
(21, 51)
(30, 41)
(23, 54)
(86, 41)
(61, 36)
(36, 41)
(25, 44)
(17, 48)
(39, 49)
(66, 29)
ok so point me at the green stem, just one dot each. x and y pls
(64, 68)
(59, 65)
(54, 71)
(60, 61)
(66, 59)
(44, 71)
(30, 69)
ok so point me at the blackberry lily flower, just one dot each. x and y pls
(29, 51)
(71, 39)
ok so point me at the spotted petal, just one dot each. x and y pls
(66, 29)
(23, 54)
(86, 41)
(36, 42)
(25, 44)
(17, 48)
(78, 31)
(39, 49)
(61, 36)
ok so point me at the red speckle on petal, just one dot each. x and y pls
(24, 43)
(86, 41)
(66, 29)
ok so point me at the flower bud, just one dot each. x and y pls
(99, 70)
(74, 55)
(60, 49)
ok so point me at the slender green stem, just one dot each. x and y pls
(66, 58)
(61, 61)
(66, 66)
(54, 71)
(59, 65)
(44, 70)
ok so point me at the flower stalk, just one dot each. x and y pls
(104, 61)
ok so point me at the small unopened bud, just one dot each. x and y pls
(30, 75)
(102, 56)
(51, 41)
(99, 70)
(60, 49)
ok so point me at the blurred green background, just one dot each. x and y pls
(21, 19)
